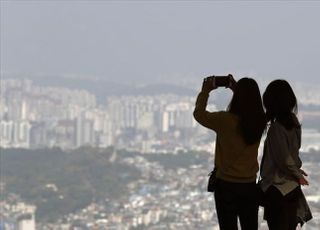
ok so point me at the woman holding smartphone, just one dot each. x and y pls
(239, 130)
(281, 172)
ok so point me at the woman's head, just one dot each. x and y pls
(247, 105)
(280, 103)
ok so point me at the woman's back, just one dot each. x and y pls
(235, 159)
(281, 162)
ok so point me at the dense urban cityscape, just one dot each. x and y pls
(139, 131)
(35, 117)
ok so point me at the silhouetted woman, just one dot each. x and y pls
(239, 130)
(280, 166)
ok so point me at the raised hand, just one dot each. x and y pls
(208, 84)
(232, 82)
(303, 181)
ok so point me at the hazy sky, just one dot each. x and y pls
(141, 41)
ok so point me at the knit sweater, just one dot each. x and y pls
(235, 160)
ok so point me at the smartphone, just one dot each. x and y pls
(221, 81)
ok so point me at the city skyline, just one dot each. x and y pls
(34, 116)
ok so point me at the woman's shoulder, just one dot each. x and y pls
(276, 126)
(224, 117)
(228, 115)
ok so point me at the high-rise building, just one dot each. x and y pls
(6, 133)
(26, 222)
(21, 134)
(107, 135)
(15, 134)
(84, 131)
(38, 135)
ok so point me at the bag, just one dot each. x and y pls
(303, 212)
(212, 182)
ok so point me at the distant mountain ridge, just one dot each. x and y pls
(103, 88)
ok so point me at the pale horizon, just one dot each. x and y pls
(140, 41)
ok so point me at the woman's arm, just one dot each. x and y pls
(211, 120)
(205, 118)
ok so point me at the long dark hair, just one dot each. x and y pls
(280, 103)
(246, 103)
